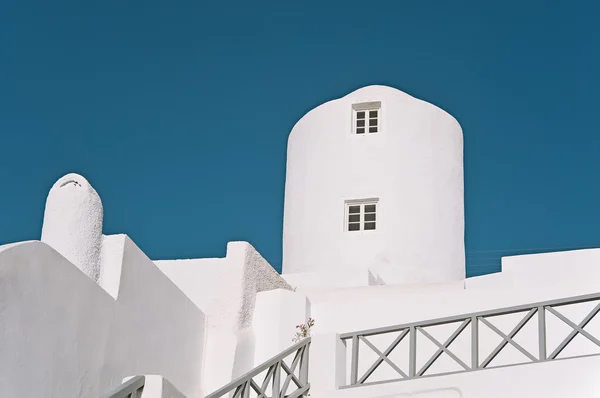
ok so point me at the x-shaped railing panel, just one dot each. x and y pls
(443, 348)
(474, 320)
(276, 370)
(279, 376)
(506, 339)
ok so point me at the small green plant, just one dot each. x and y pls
(303, 331)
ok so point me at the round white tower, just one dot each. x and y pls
(375, 180)
(73, 223)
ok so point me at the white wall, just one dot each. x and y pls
(557, 379)
(354, 309)
(156, 329)
(328, 280)
(111, 261)
(276, 315)
(62, 335)
(414, 166)
(54, 325)
(225, 289)
(207, 283)
(158, 387)
(575, 271)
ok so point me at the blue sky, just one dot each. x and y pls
(178, 112)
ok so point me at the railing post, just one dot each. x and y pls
(542, 332)
(276, 381)
(412, 360)
(246, 392)
(354, 364)
(474, 343)
(304, 366)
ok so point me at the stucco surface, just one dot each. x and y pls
(331, 280)
(73, 223)
(225, 289)
(158, 387)
(54, 325)
(556, 379)
(62, 335)
(414, 166)
(575, 271)
(156, 328)
(111, 262)
(276, 315)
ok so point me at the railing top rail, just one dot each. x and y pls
(258, 369)
(487, 313)
(123, 390)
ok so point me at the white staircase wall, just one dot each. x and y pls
(63, 335)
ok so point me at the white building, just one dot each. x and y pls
(375, 181)
(373, 251)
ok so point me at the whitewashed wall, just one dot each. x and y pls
(558, 379)
(340, 310)
(158, 387)
(414, 165)
(276, 315)
(310, 281)
(62, 335)
(156, 328)
(225, 289)
(54, 325)
(574, 270)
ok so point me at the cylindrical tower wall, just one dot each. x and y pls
(413, 170)
(73, 223)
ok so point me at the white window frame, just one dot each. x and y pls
(367, 107)
(362, 203)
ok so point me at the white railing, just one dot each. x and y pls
(471, 325)
(279, 380)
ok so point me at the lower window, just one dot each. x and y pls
(361, 215)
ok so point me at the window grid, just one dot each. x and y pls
(366, 120)
(361, 216)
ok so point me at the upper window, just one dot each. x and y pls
(366, 118)
(361, 215)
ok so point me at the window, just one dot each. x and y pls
(366, 118)
(361, 215)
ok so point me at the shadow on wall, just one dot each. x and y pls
(244, 353)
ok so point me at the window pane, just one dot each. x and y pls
(360, 115)
(353, 209)
(369, 225)
(369, 208)
(372, 122)
(360, 130)
(354, 218)
(369, 217)
(360, 123)
(353, 227)
(372, 113)
(372, 129)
